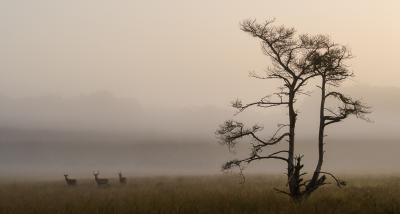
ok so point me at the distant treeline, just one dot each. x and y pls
(103, 114)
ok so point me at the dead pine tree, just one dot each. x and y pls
(294, 62)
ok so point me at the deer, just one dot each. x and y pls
(122, 179)
(100, 181)
(72, 182)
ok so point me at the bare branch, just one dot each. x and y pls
(349, 107)
(280, 191)
(331, 111)
(263, 103)
(251, 159)
(232, 130)
(272, 141)
(339, 182)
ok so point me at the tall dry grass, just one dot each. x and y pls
(199, 194)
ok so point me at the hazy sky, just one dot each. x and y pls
(177, 53)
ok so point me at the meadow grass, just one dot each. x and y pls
(199, 194)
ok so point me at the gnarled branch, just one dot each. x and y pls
(349, 107)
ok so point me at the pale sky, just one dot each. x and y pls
(178, 53)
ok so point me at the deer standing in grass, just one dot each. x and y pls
(122, 179)
(72, 182)
(101, 181)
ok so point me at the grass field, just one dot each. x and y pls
(199, 194)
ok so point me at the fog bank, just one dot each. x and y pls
(51, 135)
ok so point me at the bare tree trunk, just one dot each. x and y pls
(314, 183)
(321, 130)
(294, 189)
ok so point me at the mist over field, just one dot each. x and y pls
(141, 86)
(45, 136)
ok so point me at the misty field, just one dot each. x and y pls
(199, 194)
